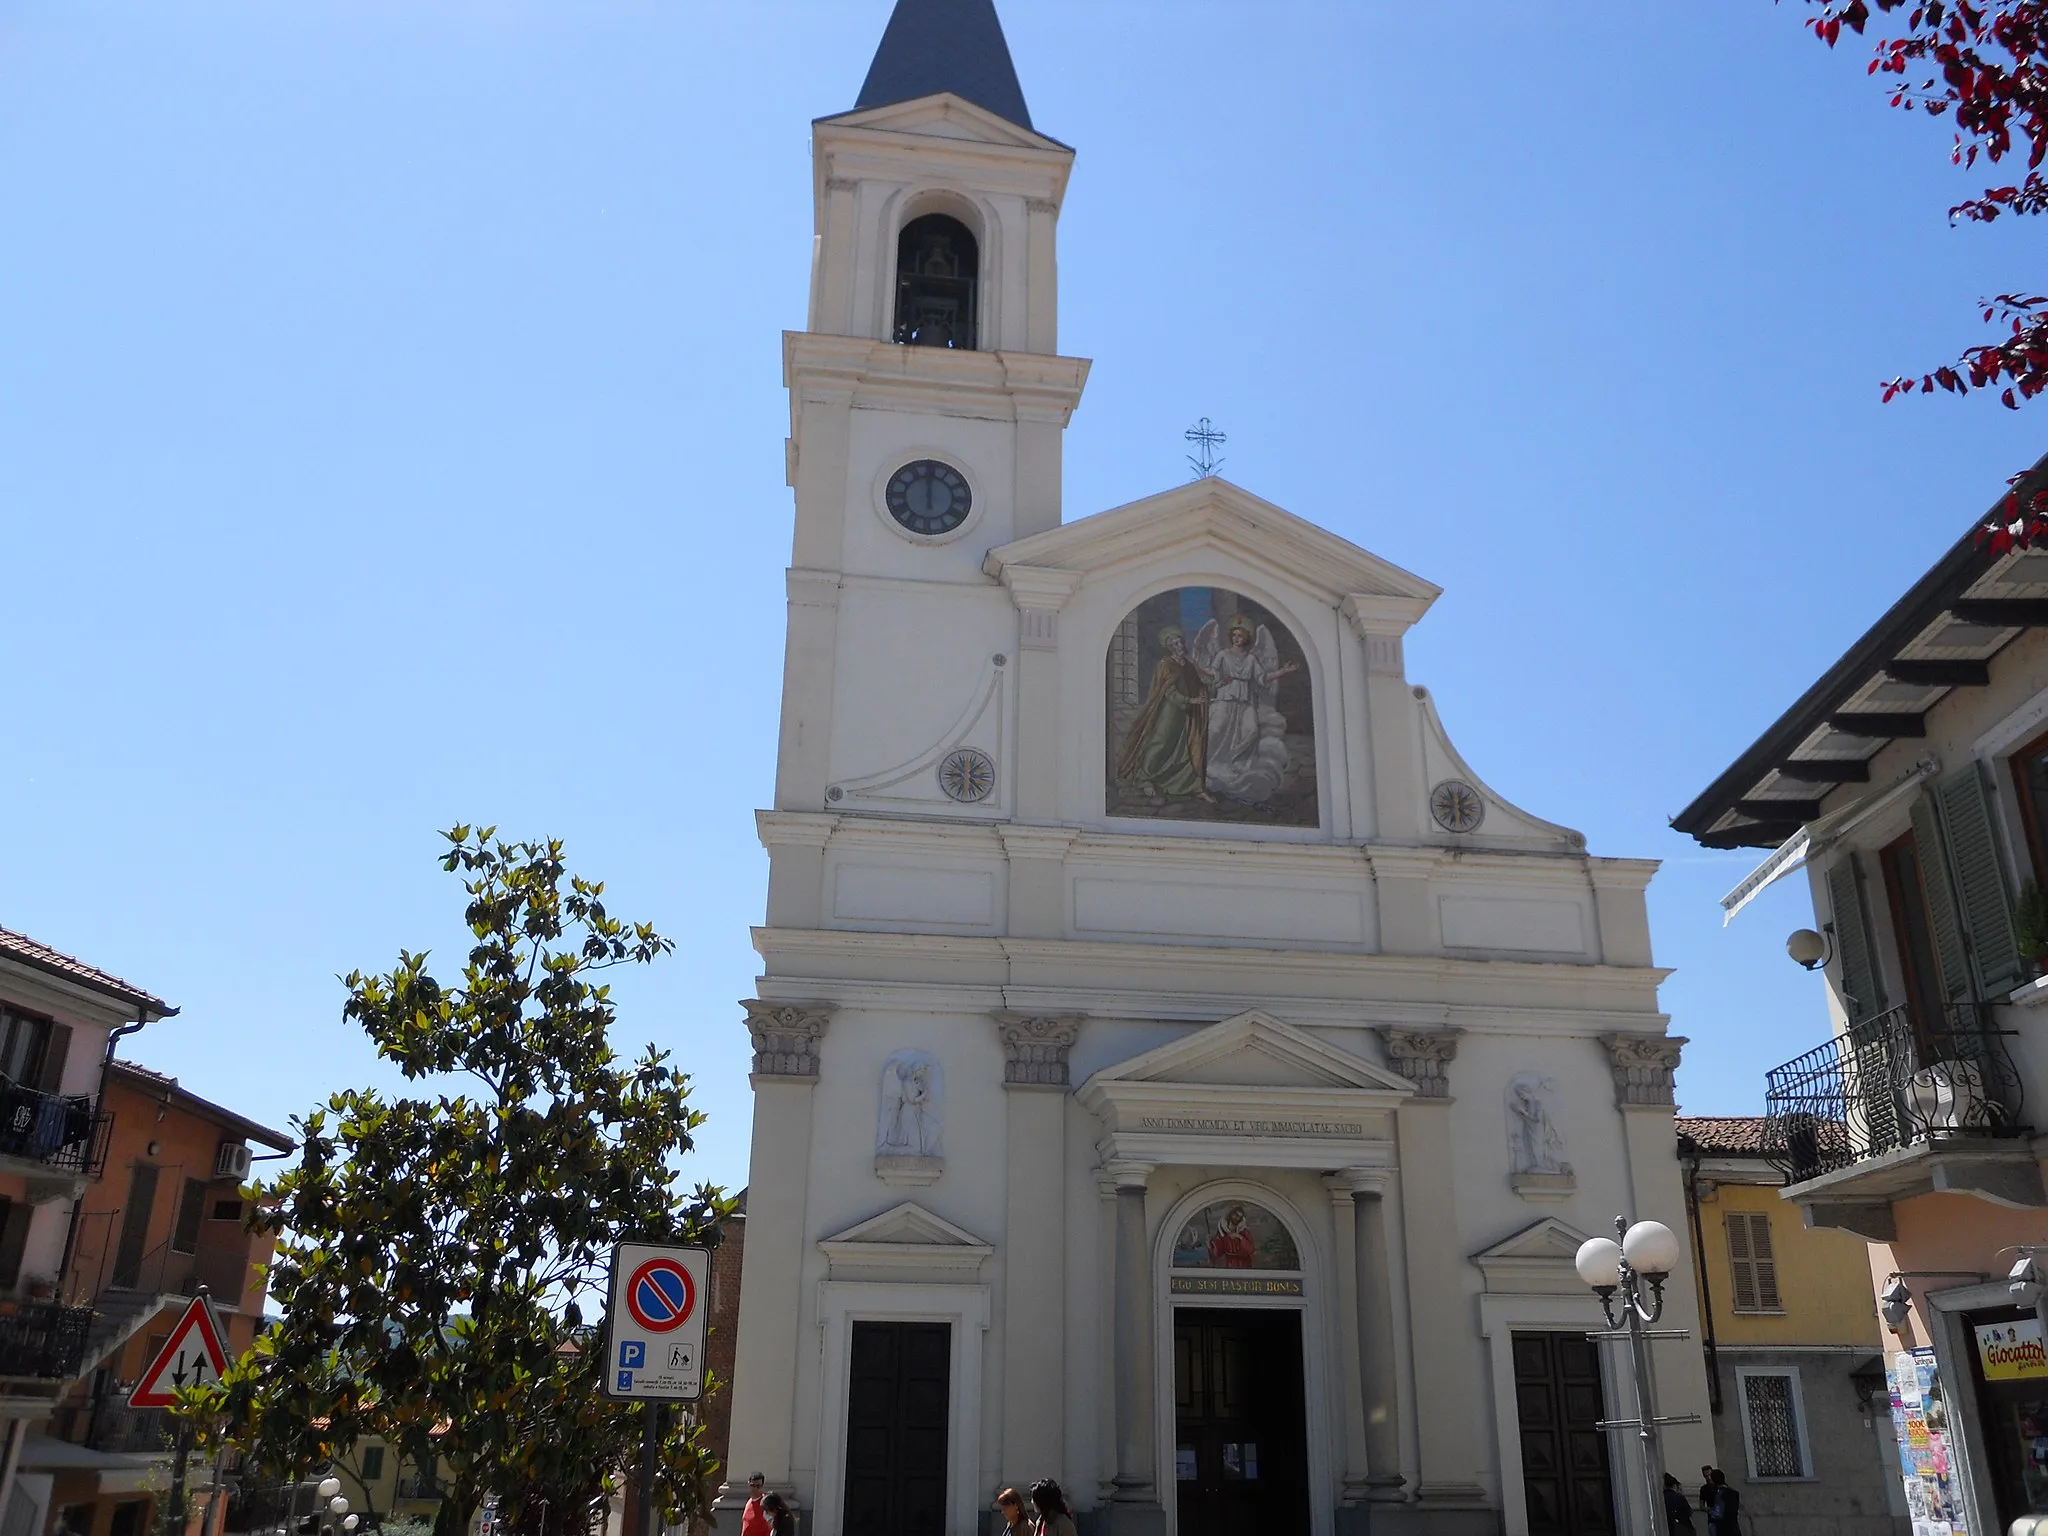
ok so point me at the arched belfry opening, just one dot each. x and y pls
(937, 267)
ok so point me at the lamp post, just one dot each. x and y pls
(1632, 1273)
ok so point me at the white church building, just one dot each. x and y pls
(1176, 1072)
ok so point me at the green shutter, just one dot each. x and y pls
(1932, 851)
(1862, 997)
(1983, 900)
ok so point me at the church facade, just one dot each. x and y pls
(1177, 1073)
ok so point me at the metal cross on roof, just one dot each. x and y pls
(1204, 461)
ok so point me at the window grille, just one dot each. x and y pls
(1754, 1266)
(1771, 1418)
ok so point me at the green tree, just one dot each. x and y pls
(441, 1259)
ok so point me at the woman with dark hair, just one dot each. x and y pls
(1050, 1505)
(780, 1520)
(1677, 1512)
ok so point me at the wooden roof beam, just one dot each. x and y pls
(1830, 770)
(1779, 812)
(1940, 674)
(1892, 726)
(2002, 612)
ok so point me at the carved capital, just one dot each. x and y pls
(1644, 1068)
(1423, 1056)
(1035, 1047)
(786, 1036)
(1123, 1177)
(1040, 205)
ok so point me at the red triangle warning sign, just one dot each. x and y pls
(191, 1356)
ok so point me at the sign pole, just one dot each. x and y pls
(650, 1442)
(178, 1475)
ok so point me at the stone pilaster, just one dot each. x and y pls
(786, 1037)
(1035, 1048)
(1134, 1509)
(1645, 1067)
(1424, 1057)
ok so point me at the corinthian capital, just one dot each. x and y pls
(1035, 1047)
(1644, 1067)
(786, 1036)
(1423, 1056)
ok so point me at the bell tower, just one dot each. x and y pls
(927, 395)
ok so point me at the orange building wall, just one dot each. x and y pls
(1950, 1232)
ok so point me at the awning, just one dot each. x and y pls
(1793, 853)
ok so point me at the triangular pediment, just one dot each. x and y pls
(908, 1223)
(1253, 1050)
(944, 116)
(1214, 514)
(1537, 1260)
(905, 1243)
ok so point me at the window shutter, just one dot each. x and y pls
(1983, 900)
(1942, 917)
(59, 1047)
(13, 1240)
(1862, 997)
(1739, 1261)
(1764, 1262)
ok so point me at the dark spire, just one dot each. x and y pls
(945, 45)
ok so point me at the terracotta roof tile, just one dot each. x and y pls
(1743, 1135)
(19, 946)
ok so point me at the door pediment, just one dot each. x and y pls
(1250, 1090)
(1536, 1261)
(905, 1242)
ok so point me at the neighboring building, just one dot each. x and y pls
(166, 1217)
(1911, 782)
(1800, 1415)
(721, 1342)
(58, 1020)
(1176, 1071)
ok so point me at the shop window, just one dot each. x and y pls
(1754, 1267)
(1773, 1425)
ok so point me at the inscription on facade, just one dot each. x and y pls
(1209, 1285)
(1225, 1127)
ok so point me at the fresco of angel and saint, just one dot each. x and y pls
(1210, 716)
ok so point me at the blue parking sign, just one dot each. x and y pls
(632, 1354)
(625, 1381)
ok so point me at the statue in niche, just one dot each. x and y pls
(1535, 1145)
(912, 1090)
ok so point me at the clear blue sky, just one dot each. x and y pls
(391, 435)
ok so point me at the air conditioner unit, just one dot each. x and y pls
(232, 1161)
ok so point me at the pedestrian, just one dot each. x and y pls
(780, 1520)
(1677, 1512)
(1724, 1515)
(753, 1520)
(1010, 1505)
(1053, 1516)
(1706, 1488)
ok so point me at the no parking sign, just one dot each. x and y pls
(654, 1326)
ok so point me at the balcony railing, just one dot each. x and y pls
(1889, 1083)
(133, 1430)
(417, 1485)
(66, 1132)
(42, 1338)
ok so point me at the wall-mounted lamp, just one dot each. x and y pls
(2024, 1281)
(1809, 950)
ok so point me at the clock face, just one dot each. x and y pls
(928, 497)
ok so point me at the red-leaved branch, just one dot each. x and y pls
(1984, 66)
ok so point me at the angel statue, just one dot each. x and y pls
(1247, 757)
(909, 1121)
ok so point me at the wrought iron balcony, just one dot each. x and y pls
(66, 1133)
(1890, 1083)
(43, 1339)
(418, 1485)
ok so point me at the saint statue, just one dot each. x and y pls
(1535, 1144)
(909, 1119)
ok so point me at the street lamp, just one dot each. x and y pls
(329, 1487)
(1632, 1272)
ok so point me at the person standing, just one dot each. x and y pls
(1677, 1511)
(1010, 1505)
(1053, 1518)
(1706, 1488)
(1724, 1515)
(780, 1520)
(753, 1519)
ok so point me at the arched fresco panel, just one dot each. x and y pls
(1209, 713)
